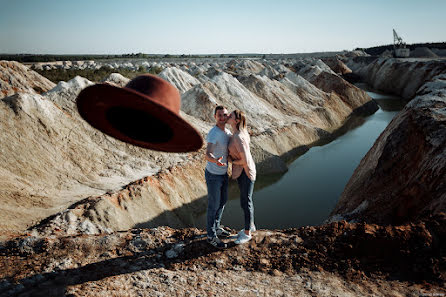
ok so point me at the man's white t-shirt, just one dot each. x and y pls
(221, 140)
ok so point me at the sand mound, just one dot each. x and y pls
(17, 78)
(439, 52)
(179, 78)
(116, 79)
(422, 52)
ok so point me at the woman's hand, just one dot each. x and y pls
(238, 162)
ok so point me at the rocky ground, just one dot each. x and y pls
(337, 259)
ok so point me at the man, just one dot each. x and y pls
(217, 176)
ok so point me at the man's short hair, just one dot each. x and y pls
(218, 107)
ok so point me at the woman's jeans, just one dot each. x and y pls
(217, 197)
(246, 187)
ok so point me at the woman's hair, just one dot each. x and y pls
(240, 115)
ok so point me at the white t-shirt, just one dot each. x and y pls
(221, 140)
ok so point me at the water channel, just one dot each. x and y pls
(309, 190)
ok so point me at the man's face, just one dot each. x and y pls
(221, 116)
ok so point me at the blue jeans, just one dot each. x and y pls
(217, 197)
(246, 187)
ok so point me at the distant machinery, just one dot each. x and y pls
(399, 46)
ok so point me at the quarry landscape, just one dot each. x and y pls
(87, 215)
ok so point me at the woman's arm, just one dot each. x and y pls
(240, 145)
(238, 161)
(244, 162)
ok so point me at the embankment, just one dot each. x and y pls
(403, 176)
(402, 77)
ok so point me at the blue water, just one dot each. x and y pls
(307, 193)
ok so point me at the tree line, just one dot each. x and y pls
(378, 50)
(32, 58)
(94, 75)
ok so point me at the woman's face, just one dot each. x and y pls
(231, 118)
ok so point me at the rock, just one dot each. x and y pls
(175, 251)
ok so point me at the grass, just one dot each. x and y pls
(94, 75)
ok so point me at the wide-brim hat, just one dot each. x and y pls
(146, 113)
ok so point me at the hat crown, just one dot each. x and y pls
(157, 90)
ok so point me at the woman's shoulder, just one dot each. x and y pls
(238, 135)
(242, 137)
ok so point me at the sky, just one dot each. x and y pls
(214, 27)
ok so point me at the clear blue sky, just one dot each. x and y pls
(225, 26)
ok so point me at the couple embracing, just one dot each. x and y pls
(223, 147)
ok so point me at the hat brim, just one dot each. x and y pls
(135, 118)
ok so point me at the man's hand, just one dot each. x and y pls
(219, 163)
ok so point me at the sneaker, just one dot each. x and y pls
(242, 238)
(223, 233)
(216, 242)
(253, 229)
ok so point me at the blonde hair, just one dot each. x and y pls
(240, 115)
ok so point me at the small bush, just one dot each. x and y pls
(94, 75)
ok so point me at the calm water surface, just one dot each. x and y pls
(307, 193)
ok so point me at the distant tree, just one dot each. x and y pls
(155, 70)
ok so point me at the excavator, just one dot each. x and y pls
(399, 47)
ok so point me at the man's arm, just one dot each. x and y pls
(210, 156)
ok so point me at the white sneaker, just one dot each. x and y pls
(253, 229)
(242, 237)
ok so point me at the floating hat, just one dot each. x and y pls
(146, 113)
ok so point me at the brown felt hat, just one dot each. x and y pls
(146, 113)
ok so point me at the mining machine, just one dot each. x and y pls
(399, 47)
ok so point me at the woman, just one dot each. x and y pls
(243, 169)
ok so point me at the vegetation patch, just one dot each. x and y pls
(94, 75)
